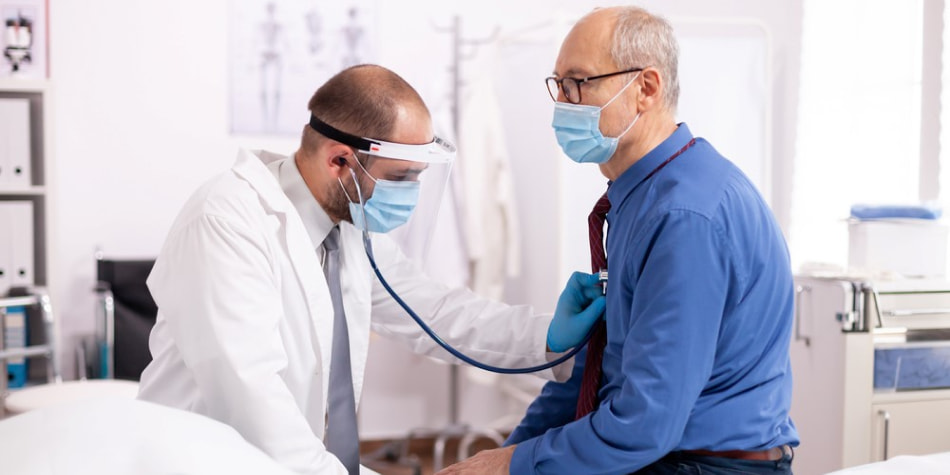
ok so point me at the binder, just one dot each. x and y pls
(21, 243)
(15, 152)
(15, 336)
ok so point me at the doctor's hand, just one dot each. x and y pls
(581, 304)
(486, 462)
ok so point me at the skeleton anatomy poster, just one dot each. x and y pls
(280, 52)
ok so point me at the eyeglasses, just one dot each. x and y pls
(572, 86)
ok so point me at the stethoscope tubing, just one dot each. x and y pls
(458, 354)
(368, 247)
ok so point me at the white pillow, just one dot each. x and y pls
(122, 436)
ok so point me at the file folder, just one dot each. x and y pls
(15, 152)
(21, 250)
(15, 336)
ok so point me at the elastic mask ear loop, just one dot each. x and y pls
(621, 91)
(371, 177)
(367, 244)
(359, 195)
(635, 119)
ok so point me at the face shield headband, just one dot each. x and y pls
(436, 151)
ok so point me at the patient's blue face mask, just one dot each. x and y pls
(577, 128)
(390, 206)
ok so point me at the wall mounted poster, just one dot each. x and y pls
(280, 52)
(23, 41)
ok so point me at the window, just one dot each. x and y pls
(858, 137)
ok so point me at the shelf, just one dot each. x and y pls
(31, 191)
(23, 85)
(25, 196)
(19, 301)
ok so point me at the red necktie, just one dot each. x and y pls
(587, 399)
(590, 382)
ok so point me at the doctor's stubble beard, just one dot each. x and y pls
(338, 205)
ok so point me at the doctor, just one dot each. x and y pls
(266, 297)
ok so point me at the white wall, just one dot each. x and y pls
(141, 120)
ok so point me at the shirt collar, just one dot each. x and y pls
(633, 176)
(315, 219)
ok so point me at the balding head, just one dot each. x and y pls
(631, 37)
(368, 101)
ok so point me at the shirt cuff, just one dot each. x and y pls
(561, 372)
(522, 460)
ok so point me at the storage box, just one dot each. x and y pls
(910, 247)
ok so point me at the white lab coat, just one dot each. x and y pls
(245, 321)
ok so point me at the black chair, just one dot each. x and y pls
(127, 316)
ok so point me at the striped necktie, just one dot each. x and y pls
(590, 382)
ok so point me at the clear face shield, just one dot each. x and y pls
(399, 188)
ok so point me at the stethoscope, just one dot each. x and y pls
(368, 247)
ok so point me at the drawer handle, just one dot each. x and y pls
(887, 428)
(799, 290)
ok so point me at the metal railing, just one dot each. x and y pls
(38, 298)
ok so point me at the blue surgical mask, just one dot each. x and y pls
(390, 206)
(577, 128)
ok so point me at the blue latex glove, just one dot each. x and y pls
(581, 304)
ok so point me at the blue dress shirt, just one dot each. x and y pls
(699, 317)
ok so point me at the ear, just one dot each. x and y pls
(652, 91)
(337, 158)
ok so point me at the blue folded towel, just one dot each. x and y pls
(896, 211)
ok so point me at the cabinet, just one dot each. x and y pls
(915, 425)
(868, 363)
(25, 158)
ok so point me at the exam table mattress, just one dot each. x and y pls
(123, 436)
(934, 464)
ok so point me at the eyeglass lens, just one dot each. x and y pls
(569, 86)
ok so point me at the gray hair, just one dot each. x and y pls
(642, 39)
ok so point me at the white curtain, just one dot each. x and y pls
(859, 118)
(945, 115)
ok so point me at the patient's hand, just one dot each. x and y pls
(486, 462)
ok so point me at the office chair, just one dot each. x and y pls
(127, 315)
